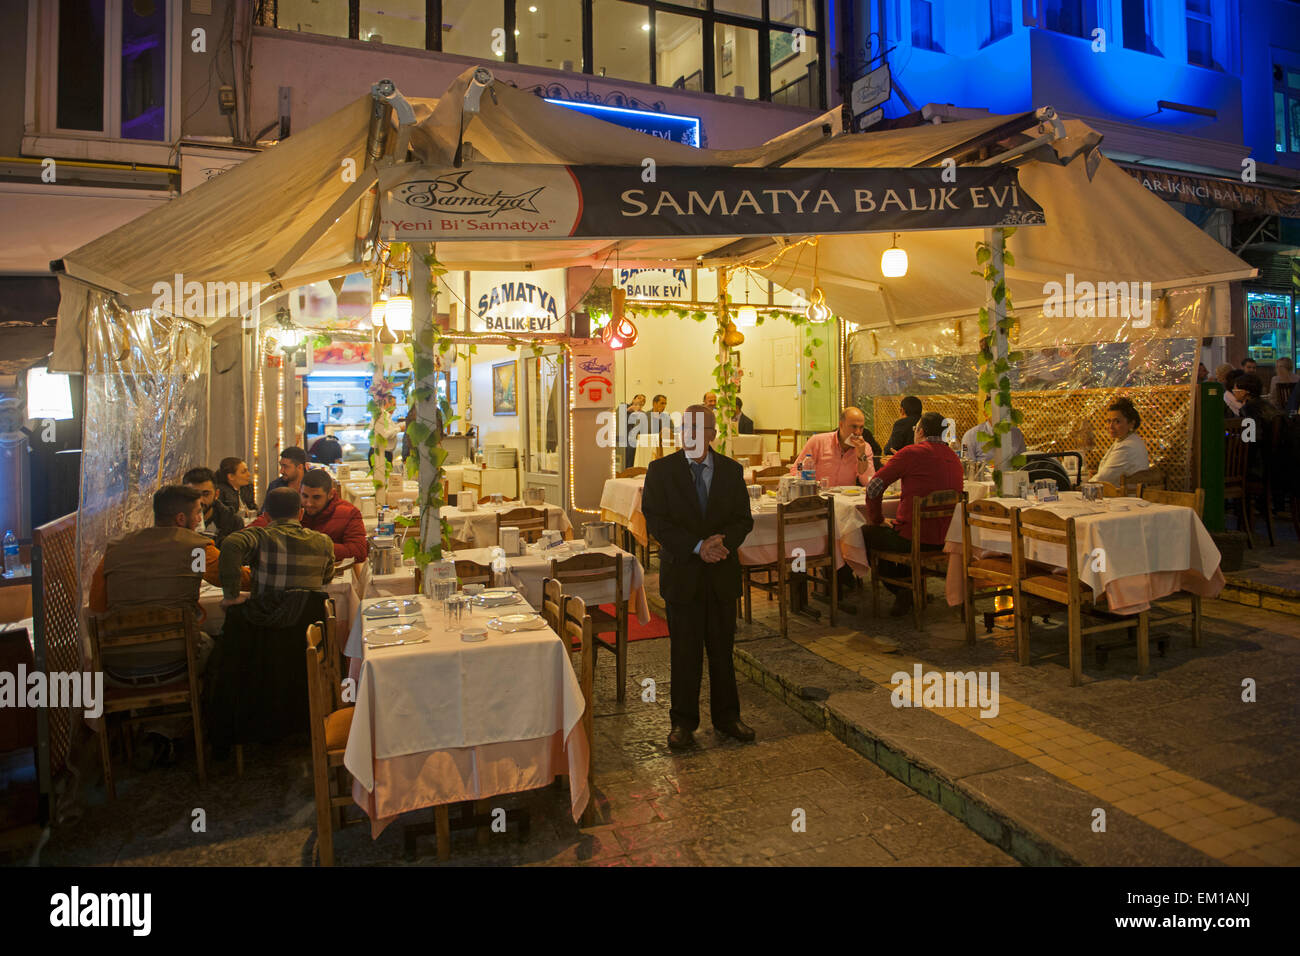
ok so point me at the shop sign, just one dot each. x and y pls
(593, 376)
(1265, 311)
(496, 201)
(517, 303)
(669, 126)
(1222, 193)
(673, 285)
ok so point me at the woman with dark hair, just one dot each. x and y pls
(1128, 453)
(235, 485)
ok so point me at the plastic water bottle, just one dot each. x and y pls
(807, 469)
(11, 553)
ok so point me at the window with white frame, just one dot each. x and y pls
(927, 24)
(107, 68)
(1205, 36)
(1076, 18)
(1138, 25)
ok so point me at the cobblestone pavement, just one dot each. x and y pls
(1199, 773)
(725, 803)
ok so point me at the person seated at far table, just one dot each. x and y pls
(744, 424)
(924, 467)
(711, 401)
(235, 485)
(293, 466)
(1232, 396)
(843, 456)
(972, 445)
(326, 450)
(216, 519)
(1284, 375)
(282, 554)
(1249, 366)
(900, 436)
(326, 512)
(1128, 453)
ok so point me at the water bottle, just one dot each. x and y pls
(11, 553)
(807, 469)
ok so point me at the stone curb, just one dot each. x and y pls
(1241, 590)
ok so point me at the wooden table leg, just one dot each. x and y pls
(443, 823)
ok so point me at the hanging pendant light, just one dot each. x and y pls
(893, 262)
(397, 313)
(377, 313)
(746, 315)
(817, 310)
(619, 332)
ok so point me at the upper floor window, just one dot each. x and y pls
(1136, 25)
(1077, 18)
(927, 25)
(106, 66)
(995, 22)
(1286, 108)
(1200, 34)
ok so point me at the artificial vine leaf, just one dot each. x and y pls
(983, 253)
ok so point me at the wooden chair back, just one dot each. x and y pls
(1146, 478)
(991, 516)
(631, 473)
(811, 509)
(326, 761)
(787, 438)
(1110, 491)
(459, 544)
(1284, 390)
(583, 570)
(531, 522)
(552, 604)
(937, 504)
(1038, 525)
(471, 572)
(1186, 499)
(1235, 455)
(770, 477)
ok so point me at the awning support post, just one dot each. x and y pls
(997, 241)
(424, 387)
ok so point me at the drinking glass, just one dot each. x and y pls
(824, 483)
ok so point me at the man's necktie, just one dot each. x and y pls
(701, 490)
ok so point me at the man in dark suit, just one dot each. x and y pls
(744, 424)
(696, 506)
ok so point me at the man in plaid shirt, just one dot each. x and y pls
(283, 555)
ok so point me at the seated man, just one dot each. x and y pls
(293, 467)
(972, 445)
(217, 520)
(326, 450)
(159, 566)
(329, 514)
(924, 467)
(281, 555)
(900, 435)
(744, 424)
(844, 456)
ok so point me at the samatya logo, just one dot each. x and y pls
(497, 316)
(77, 690)
(950, 689)
(652, 284)
(103, 909)
(207, 299)
(449, 193)
(1101, 299)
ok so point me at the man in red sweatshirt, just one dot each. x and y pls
(924, 467)
(325, 512)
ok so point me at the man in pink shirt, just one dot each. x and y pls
(843, 456)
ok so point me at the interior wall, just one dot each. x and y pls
(493, 429)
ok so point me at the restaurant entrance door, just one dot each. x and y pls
(545, 438)
(819, 407)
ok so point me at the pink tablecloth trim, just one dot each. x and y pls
(1129, 595)
(433, 778)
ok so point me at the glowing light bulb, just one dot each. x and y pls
(377, 314)
(398, 313)
(746, 317)
(893, 262)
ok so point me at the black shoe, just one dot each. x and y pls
(737, 729)
(902, 604)
(679, 738)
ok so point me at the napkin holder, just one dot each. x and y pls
(534, 496)
(466, 501)
(345, 472)
(771, 459)
(510, 540)
(1015, 484)
(367, 506)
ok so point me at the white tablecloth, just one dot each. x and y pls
(746, 445)
(478, 527)
(1131, 550)
(525, 572)
(445, 693)
(645, 449)
(759, 546)
(346, 590)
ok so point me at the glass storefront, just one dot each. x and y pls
(1270, 326)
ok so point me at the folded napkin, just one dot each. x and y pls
(1071, 509)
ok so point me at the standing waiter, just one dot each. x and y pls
(696, 506)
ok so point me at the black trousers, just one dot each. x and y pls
(629, 456)
(694, 628)
(882, 537)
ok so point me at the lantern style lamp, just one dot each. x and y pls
(397, 313)
(893, 262)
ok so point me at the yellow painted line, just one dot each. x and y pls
(1202, 816)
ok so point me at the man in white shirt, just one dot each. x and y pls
(1128, 454)
(972, 446)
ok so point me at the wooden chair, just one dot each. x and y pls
(1066, 589)
(1133, 484)
(330, 725)
(459, 545)
(770, 478)
(133, 627)
(578, 629)
(993, 575)
(531, 522)
(585, 570)
(1167, 613)
(1284, 390)
(553, 604)
(923, 563)
(811, 510)
(471, 572)
(1234, 477)
(631, 473)
(1108, 490)
(787, 436)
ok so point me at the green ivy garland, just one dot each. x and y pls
(995, 373)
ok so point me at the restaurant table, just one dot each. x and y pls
(479, 527)
(746, 445)
(646, 446)
(346, 589)
(526, 572)
(445, 721)
(620, 502)
(1150, 550)
(759, 546)
(355, 489)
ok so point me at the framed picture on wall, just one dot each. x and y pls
(728, 52)
(505, 388)
(780, 47)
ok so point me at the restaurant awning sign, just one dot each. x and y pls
(500, 201)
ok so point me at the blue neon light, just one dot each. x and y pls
(670, 126)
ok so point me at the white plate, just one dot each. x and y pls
(492, 593)
(517, 622)
(504, 600)
(390, 608)
(391, 632)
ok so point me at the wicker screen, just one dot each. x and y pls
(58, 617)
